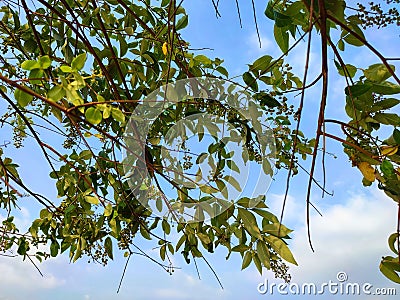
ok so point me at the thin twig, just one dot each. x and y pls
(238, 12)
(255, 22)
(123, 273)
(299, 112)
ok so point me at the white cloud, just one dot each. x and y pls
(184, 288)
(254, 45)
(350, 237)
(18, 274)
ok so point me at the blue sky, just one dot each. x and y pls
(351, 236)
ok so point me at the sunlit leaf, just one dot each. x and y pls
(281, 248)
(22, 97)
(93, 115)
(246, 260)
(367, 170)
(249, 222)
(78, 62)
(30, 65)
(281, 38)
(378, 72)
(263, 254)
(92, 200)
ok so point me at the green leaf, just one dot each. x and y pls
(23, 98)
(208, 189)
(396, 136)
(282, 20)
(23, 246)
(66, 69)
(249, 222)
(108, 210)
(204, 238)
(386, 88)
(384, 104)
(180, 242)
(393, 242)
(267, 100)
(35, 76)
(114, 225)
(200, 159)
(387, 168)
(351, 39)
(166, 227)
(117, 114)
(266, 215)
(129, 30)
(44, 62)
(65, 245)
(341, 45)
(250, 81)
(78, 253)
(233, 166)
(246, 260)
(69, 208)
(78, 62)
(273, 229)
(108, 247)
(45, 214)
(93, 115)
(163, 250)
(263, 254)
(269, 10)
(358, 89)
(123, 46)
(257, 263)
(389, 268)
(232, 181)
(222, 187)
(56, 93)
(281, 38)
(54, 248)
(182, 23)
(145, 232)
(107, 111)
(30, 65)
(378, 72)
(222, 70)
(85, 154)
(281, 248)
(387, 119)
(350, 70)
(92, 200)
(261, 64)
(336, 8)
(202, 59)
(240, 248)
(267, 167)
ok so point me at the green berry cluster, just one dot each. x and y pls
(376, 16)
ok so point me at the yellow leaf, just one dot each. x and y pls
(389, 150)
(165, 48)
(367, 170)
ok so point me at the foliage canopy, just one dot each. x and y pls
(80, 69)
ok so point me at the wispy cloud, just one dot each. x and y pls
(254, 48)
(350, 237)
